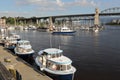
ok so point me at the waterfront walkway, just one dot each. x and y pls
(27, 71)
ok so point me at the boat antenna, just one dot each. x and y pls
(50, 41)
(59, 46)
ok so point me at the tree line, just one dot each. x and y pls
(12, 20)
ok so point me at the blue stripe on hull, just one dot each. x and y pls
(63, 32)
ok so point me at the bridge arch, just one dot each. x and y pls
(111, 10)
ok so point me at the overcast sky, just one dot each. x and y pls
(38, 8)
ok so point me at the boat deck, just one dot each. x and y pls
(27, 71)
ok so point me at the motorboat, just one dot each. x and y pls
(14, 35)
(63, 30)
(96, 28)
(10, 43)
(24, 49)
(55, 64)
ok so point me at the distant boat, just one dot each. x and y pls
(31, 27)
(24, 49)
(64, 30)
(55, 64)
(95, 28)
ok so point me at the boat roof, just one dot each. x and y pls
(11, 38)
(61, 60)
(53, 51)
(26, 46)
(23, 41)
(65, 27)
(12, 33)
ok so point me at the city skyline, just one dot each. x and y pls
(41, 8)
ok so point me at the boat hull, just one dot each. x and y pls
(60, 77)
(57, 32)
(27, 57)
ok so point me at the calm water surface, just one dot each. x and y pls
(96, 56)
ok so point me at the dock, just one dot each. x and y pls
(27, 72)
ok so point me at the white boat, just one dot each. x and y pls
(14, 35)
(24, 49)
(96, 30)
(64, 30)
(55, 64)
(31, 27)
(10, 43)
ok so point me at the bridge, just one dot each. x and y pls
(75, 17)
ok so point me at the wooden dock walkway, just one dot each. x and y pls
(27, 71)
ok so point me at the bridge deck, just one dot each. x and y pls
(27, 71)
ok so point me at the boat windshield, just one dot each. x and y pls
(26, 43)
(55, 55)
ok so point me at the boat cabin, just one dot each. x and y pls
(23, 42)
(59, 64)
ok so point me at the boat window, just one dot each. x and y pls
(68, 67)
(58, 67)
(28, 50)
(57, 55)
(44, 53)
(48, 64)
(54, 67)
(26, 43)
(63, 67)
(49, 56)
(54, 55)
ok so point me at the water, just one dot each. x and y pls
(96, 56)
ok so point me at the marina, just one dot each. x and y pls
(59, 40)
(95, 55)
(84, 48)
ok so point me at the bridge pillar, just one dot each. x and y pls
(51, 24)
(37, 22)
(96, 17)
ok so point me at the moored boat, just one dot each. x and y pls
(64, 30)
(10, 43)
(14, 35)
(55, 64)
(24, 49)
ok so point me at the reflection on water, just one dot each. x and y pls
(95, 55)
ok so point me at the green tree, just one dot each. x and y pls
(10, 20)
(4, 17)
